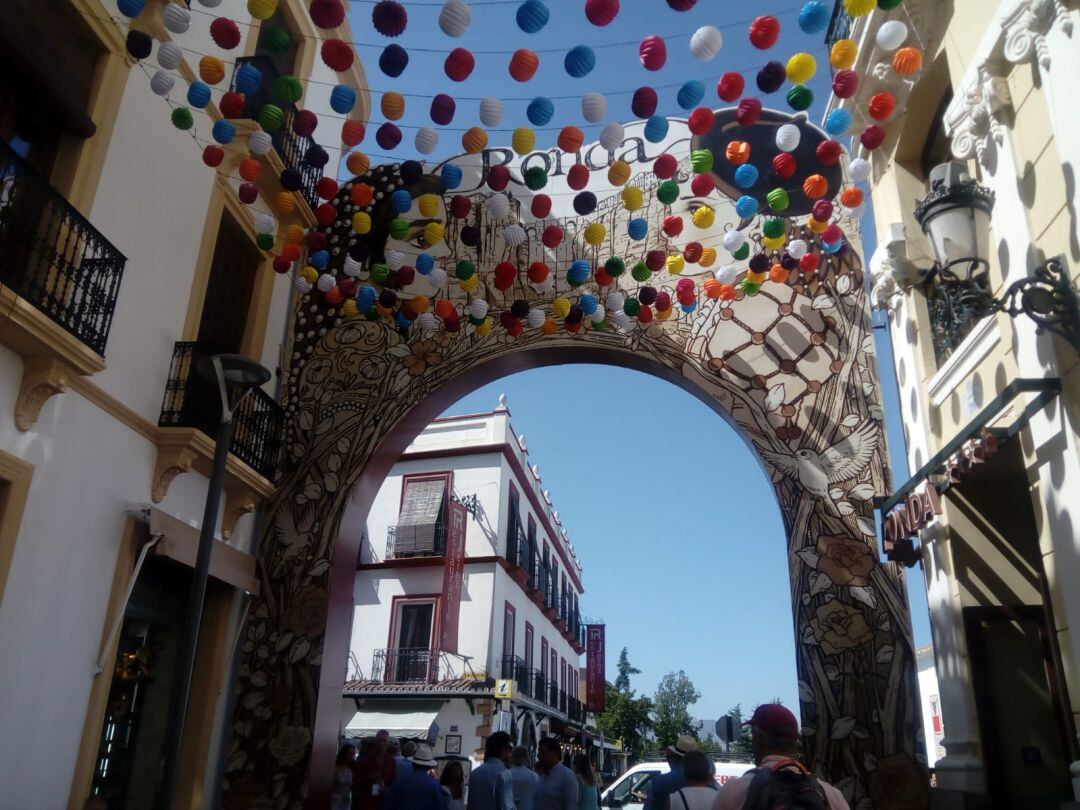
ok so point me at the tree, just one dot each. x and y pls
(671, 708)
(627, 718)
(710, 747)
(742, 743)
(626, 669)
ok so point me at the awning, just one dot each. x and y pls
(180, 542)
(404, 719)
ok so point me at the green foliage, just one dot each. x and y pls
(710, 746)
(671, 708)
(626, 669)
(627, 718)
(742, 743)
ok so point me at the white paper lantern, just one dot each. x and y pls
(498, 205)
(426, 321)
(351, 267)
(536, 318)
(593, 107)
(437, 278)
(259, 143)
(599, 314)
(176, 18)
(706, 42)
(169, 55)
(478, 308)
(454, 18)
(853, 213)
(788, 137)
(302, 285)
(210, 3)
(797, 248)
(611, 136)
(264, 223)
(545, 286)
(395, 259)
(513, 235)
(859, 170)
(325, 282)
(615, 301)
(891, 35)
(621, 320)
(491, 112)
(162, 82)
(426, 140)
(733, 240)
(726, 274)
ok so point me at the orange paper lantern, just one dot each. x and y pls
(737, 152)
(474, 140)
(815, 186)
(294, 233)
(444, 308)
(249, 169)
(881, 105)
(393, 105)
(570, 139)
(778, 274)
(352, 132)
(285, 202)
(907, 61)
(291, 252)
(358, 163)
(712, 288)
(362, 194)
(851, 197)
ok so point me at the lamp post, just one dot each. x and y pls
(955, 215)
(233, 376)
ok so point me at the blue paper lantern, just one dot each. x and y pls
(319, 259)
(837, 122)
(656, 129)
(540, 111)
(814, 17)
(393, 60)
(248, 79)
(223, 131)
(365, 297)
(402, 322)
(198, 95)
(451, 176)
(401, 201)
(532, 15)
(746, 175)
(130, 8)
(588, 304)
(579, 61)
(688, 308)
(578, 273)
(746, 206)
(690, 94)
(342, 99)
(637, 228)
(425, 263)
(833, 247)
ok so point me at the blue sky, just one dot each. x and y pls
(681, 540)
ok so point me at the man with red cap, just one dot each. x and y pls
(779, 780)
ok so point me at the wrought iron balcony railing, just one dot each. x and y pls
(954, 310)
(575, 710)
(417, 540)
(411, 665)
(537, 684)
(291, 148)
(53, 257)
(553, 694)
(513, 667)
(517, 546)
(190, 401)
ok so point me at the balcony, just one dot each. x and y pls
(424, 540)
(513, 667)
(411, 665)
(537, 684)
(575, 711)
(291, 148)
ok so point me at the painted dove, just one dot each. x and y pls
(818, 471)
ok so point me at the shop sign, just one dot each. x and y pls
(453, 579)
(595, 681)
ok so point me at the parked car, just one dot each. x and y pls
(630, 789)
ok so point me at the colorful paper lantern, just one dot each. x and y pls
(845, 83)
(213, 155)
(387, 136)
(130, 8)
(823, 209)
(593, 107)
(327, 13)
(828, 152)
(632, 198)
(746, 176)
(540, 111)
(498, 177)
(656, 128)
(618, 172)
(730, 86)
(459, 64)
(584, 202)
(770, 77)
(778, 199)
(182, 118)
(815, 186)
(601, 12)
(389, 18)
(842, 54)
(764, 31)
(454, 18)
(851, 197)
(890, 35)
(907, 61)
(788, 137)
(637, 228)
(859, 8)
(211, 69)
(169, 55)
(814, 17)
(859, 170)
(358, 164)
(393, 60)
(611, 136)
(881, 105)
(288, 89)
(652, 52)
(705, 43)
(665, 165)
(595, 233)
(337, 55)
(644, 101)
(491, 112)
(748, 112)
(225, 33)
(701, 160)
(690, 94)
(667, 192)
(578, 273)
(579, 61)
(702, 185)
(552, 236)
(541, 206)
(800, 97)
(801, 68)
(140, 44)
(523, 63)
(535, 178)
(703, 217)
(532, 16)
(737, 152)
(577, 176)
(701, 121)
(837, 121)
(570, 139)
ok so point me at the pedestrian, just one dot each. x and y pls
(453, 785)
(406, 750)
(588, 789)
(662, 786)
(373, 774)
(557, 788)
(416, 788)
(700, 789)
(341, 797)
(779, 779)
(490, 787)
(523, 778)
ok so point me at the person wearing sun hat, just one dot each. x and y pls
(417, 789)
(778, 777)
(662, 786)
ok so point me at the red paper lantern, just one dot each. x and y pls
(389, 18)
(460, 206)
(702, 185)
(784, 165)
(764, 31)
(248, 193)
(452, 322)
(538, 272)
(337, 55)
(334, 297)
(282, 265)
(578, 176)
(362, 194)
(570, 139)
(828, 152)
(459, 64)
(652, 52)
(327, 13)
(822, 210)
(645, 314)
(304, 123)
(352, 132)
(673, 225)
(213, 155)
(249, 169)
(347, 287)
(505, 274)
(832, 234)
(325, 214)
(663, 301)
(644, 102)
(845, 83)
(316, 240)
(507, 319)
(749, 111)
(291, 251)
(326, 188)
(603, 277)
(881, 105)
(498, 178)
(692, 252)
(601, 12)
(664, 166)
(701, 121)
(232, 104)
(523, 64)
(655, 259)
(541, 206)
(730, 86)
(403, 277)
(872, 137)
(552, 236)
(225, 33)
(808, 263)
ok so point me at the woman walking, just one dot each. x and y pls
(588, 789)
(453, 785)
(341, 798)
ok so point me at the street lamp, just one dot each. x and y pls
(233, 376)
(955, 215)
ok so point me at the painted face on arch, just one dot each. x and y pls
(414, 243)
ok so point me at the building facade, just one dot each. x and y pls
(990, 406)
(123, 258)
(513, 663)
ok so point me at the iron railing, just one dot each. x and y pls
(513, 667)
(575, 710)
(517, 546)
(954, 309)
(191, 401)
(411, 665)
(553, 694)
(291, 148)
(423, 540)
(537, 684)
(839, 25)
(53, 257)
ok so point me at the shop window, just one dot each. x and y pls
(229, 288)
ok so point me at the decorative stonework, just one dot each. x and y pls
(1026, 26)
(891, 272)
(978, 114)
(171, 461)
(42, 379)
(239, 501)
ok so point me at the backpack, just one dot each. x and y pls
(778, 788)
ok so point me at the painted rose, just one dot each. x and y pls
(898, 783)
(290, 745)
(847, 561)
(838, 627)
(422, 353)
(307, 616)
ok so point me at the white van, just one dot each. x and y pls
(631, 788)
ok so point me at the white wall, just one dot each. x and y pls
(930, 700)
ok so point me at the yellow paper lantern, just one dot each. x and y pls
(708, 257)
(361, 222)
(393, 105)
(262, 9)
(294, 233)
(618, 172)
(420, 303)
(843, 53)
(675, 263)
(434, 233)
(471, 283)
(211, 69)
(755, 277)
(548, 327)
(523, 140)
(774, 242)
(595, 233)
(474, 141)
(703, 216)
(859, 8)
(665, 314)
(285, 202)
(561, 307)
(358, 163)
(429, 205)
(484, 329)
(309, 274)
(632, 198)
(816, 225)
(801, 68)
(348, 309)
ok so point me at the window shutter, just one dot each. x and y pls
(419, 515)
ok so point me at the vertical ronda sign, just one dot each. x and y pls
(453, 575)
(595, 683)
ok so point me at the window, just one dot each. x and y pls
(513, 520)
(229, 288)
(633, 787)
(544, 659)
(509, 619)
(410, 658)
(414, 625)
(421, 526)
(528, 646)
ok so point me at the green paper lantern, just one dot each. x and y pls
(778, 199)
(667, 192)
(641, 272)
(742, 252)
(599, 327)
(475, 321)
(265, 241)
(288, 90)
(276, 41)
(888, 5)
(380, 273)
(632, 307)
(182, 118)
(371, 314)
(749, 288)
(615, 266)
(535, 178)
(465, 270)
(701, 161)
(773, 228)
(800, 97)
(270, 117)
(399, 228)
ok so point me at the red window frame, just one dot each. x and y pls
(530, 636)
(509, 623)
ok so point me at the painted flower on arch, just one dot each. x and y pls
(846, 561)
(422, 353)
(838, 627)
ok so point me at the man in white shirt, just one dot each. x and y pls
(523, 778)
(775, 738)
(489, 785)
(557, 788)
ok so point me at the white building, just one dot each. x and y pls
(519, 597)
(930, 700)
